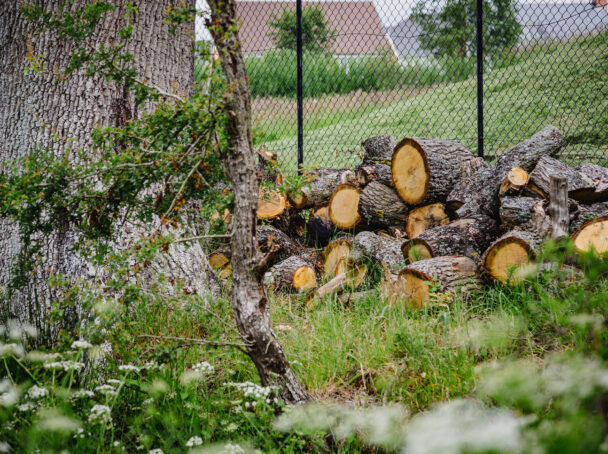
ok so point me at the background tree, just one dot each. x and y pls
(316, 34)
(448, 27)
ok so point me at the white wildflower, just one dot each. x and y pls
(203, 367)
(156, 451)
(4, 447)
(106, 389)
(83, 393)
(113, 381)
(253, 391)
(26, 406)
(9, 394)
(151, 365)
(36, 392)
(11, 349)
(81, 344)
(148, 401)
(100, 414)
(128, 368)
(40, 357)
(230, 448)
(194, 441)
(65, 365)
(196, 372)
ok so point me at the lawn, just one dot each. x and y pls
(564, 84)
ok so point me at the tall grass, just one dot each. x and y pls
(274, 73)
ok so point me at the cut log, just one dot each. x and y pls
(319, 228)
(336, 257)
(513, 183)
(426, 170)
(220, 263)
(508, 255)
(292, 274)
(267, 165)
(599, 175)
(270, 238)
(592, 235)
(458, 195)
(586, 213)
(468, 237)
(271, 203)
(291, 223)
(379, 248)
(481, 195)
(516, 211)
(351, 278)
(380, 206)
(320, 185)
(426, 217)
(378, 149)
(366, 173)
(580, 186)
(450, 273)
(344, 206)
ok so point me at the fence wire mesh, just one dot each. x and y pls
(408, 68)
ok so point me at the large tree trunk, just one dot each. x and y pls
(248, 298)
(38, 110)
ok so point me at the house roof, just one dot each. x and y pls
(357, 25)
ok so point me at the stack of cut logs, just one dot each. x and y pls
(434, 216)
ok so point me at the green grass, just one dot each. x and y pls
(564, 84)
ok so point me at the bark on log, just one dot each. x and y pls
(450, 273)
(458, 195)
(271, 240)
(381, 249)
(292, 274)
(378, 149)
(366, 173)
(426, 170)
(580, 186)
(249, 302)
(468, 237)
(599, 175)
(506, 258)
(344, 206)
(586, 213)
(319, 228)
(481, 195)
(516, 211)
(321, 184)
(380, 206)
(425, 217)
(558, 197)
(291, 223)
(592, 235)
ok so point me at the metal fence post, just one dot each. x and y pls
(300, 93)
(479, 51)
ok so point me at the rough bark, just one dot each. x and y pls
(380, 206)
(516, 211)
(426, 170)
(558, 197)
(37, 109)
(468, 237)
(271, 241)
(319, 187)
(292, 274)
(378, 150)
(450, 273)
(459, 193)
(366, 173)
(481, 195)
(379, 248)
(586, 213)
(267, 165)
(319, 228)
(249, 301)
(599, 175)
(580, 186)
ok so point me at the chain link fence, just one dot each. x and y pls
(410, 69)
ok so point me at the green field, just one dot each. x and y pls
(564, 84)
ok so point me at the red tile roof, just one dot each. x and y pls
(357, 25)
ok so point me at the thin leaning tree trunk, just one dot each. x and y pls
(248, 298)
